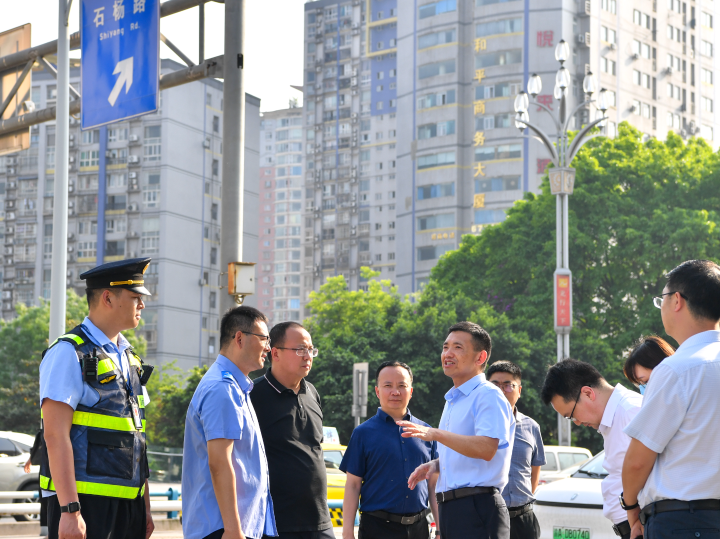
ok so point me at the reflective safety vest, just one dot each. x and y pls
(108, 449)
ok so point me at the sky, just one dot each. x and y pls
(273, 55)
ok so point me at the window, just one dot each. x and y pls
(435, 69)
(88, 159)
(90, 137)
(430, 222)
(436, 191)
(611, 6)
(151, 191)
(84, 227)
(706, 19)
(436, 8)
(436, 100)
(436, 130)
(115, 225)
(706, 76)
(116, 202)
(641, 49)
(673, 121)
(150, 242)
(487, 217)
(216, 124)
(87, 249)
(152, 143)
(706, 132)
(213, 255)
(641, 19)
(213, 300)
(87, 183)
(435, 160)
(437, 38)
(432, 252)
(608, 35)
(215, 167)
(707, 104)
(503, 26)
(117, 134)
(505, 183)
(117, 180)
(641, 79)
(503, 89)
(706, 48)
(607, 66)
(499, 58)
(674, 33)
(674, 91)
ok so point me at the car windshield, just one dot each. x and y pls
(333, 458)
(593, 468)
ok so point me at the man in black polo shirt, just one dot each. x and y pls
(290, 417)
(378, 463)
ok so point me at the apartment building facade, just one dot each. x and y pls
(149, 186)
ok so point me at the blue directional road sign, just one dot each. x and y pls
(120, 59)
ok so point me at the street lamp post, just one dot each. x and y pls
(562, 179)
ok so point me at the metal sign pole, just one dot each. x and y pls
(233, 154)
(60, 212)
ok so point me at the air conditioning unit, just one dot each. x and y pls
(133, 138)
(132, 175)
(353, 81)
(11, 171)
(353, 231)
(73, 121)
(10, 230)
(134, 159)
(71, 160)
(70, 248)
(9, 204)
(6, 294)
(71, 236)
(612, 46)
(668, 70)
(12, 185)
(71, 203)
(11, 161)
(108, 153)
(35, 128)
(588, 7)
(634, 109)
(634, 56)
(69, 273)
(8, 250)
(354, 91)
(132, 207)
(71, 188)
(318, 127)
(583, 38)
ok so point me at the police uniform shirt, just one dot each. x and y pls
(678, 420)
(61, 376)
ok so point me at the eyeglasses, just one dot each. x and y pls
(263, 337)
(507, 387)
(312, 352)
(657, 300)
(570, 418)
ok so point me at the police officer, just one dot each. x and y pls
(92, 394)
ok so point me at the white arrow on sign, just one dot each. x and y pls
(125, 68)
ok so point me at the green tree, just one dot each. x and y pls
(22, 341)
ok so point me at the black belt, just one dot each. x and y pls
(664, 506)
(520, 510)
(406, 520)
(458, 493)
(622, 529)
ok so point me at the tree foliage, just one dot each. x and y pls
(22, 341)
(638, 210)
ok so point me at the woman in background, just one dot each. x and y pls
(647, 354)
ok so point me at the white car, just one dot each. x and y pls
(572, 508)
(14, 452)
(559, 458)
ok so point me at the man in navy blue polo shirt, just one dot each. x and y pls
(378, 463)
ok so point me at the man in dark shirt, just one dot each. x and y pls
(378, 463)
(290, 417)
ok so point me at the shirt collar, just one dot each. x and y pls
(382, 416)
(703, 337)
(226, 365)
(277, 386)
(611, 406)
(466, 388)
(519, 416)
(98, 337)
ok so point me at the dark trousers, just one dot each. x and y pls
(482, 516)
(105, 518)
(525, 526)
(321, 534)
(683, 525)
(378, 528)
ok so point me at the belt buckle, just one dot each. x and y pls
(616, 530)
(443, 497)
(407, 520)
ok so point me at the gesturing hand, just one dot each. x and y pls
(423, 472)
(412, 430)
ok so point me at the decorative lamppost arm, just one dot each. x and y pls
(581, 139)
(550, 113)
(570, 116)
(545, 140)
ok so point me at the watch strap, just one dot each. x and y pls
(72, 507)
(627, 507)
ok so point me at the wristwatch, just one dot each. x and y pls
(72, 507)
(628, 507)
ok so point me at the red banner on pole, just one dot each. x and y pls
(562, 297)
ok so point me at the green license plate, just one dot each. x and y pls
(571, 533)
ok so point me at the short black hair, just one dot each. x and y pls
(93, 294)
(565, 378)
(504, 366)
(699, 282)
(238, 319)
(649, 352)
(392, 364)
(278, 332)
(480, 338)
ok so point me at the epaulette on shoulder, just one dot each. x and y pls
(75, 336)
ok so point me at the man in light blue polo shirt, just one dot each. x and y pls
(475, 440)
(225, 484)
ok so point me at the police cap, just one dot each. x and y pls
(121, 274)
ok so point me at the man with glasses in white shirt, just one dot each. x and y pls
(579, 393)
(671, 474)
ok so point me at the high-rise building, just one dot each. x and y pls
(350, 134)
(149, 186)
(281, 213)
(443, 75)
